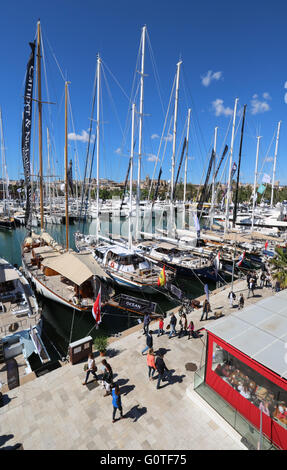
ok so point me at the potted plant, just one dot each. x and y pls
(101, 343)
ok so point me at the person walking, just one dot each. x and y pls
(183, 326)
(248, 277)
(205, 310)
(190, 330)
(151, 363)
(262, 279)
(92, 368)
(107, 377)
(146, 323)
(277, 286)
(241, 302)
(268, 280)
(253, 283)
(160, 327)
(250, 286)
(231, 297)
(161, 368)
(149, 342)
(172, 322)
(117, 402)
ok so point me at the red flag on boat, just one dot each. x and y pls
(96, 310)
(266, 245)
(240, 260)
(217, 261)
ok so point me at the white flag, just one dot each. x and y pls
(266, 178)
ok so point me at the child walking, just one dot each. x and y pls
(117, 402)
(160, 327)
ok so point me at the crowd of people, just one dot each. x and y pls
(157, 368)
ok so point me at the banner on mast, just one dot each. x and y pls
(26, 134)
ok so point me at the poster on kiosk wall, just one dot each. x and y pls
(249, 387)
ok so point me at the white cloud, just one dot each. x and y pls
(260, 106)
(219, 108)
(118, 151)
(152, 158)
(269, 159)
(83, 137)
(155, 136)
(209, 77)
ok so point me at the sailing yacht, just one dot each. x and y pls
(69, 278)
(6, 220)
(126, 267)
(181, 260)
(57, 272)
(20, 327)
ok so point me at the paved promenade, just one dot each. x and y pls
(56, 411)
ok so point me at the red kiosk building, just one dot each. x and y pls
(246, 364)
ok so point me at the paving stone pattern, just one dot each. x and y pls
(56, 411)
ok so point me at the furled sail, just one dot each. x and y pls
(26, 134)
(70, 177)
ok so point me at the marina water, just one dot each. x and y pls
(60, 324)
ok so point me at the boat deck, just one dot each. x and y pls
(56, 284)
(16, 311)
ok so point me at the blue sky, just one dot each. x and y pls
(227, 49)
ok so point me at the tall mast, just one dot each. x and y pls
(213, 177)
(274, 164)
(40, 122)
(175, 127)
(131, 177)
(66, 167)
(185, 167)
(230, 170)
(186, 156)
(238, 169)
(173, 146)
(98, 145)
(48, 193)
(140, 126)
(5, 183)
(255, 183)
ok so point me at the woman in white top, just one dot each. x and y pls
(92, 368)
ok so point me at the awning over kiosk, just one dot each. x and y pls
(259, 331)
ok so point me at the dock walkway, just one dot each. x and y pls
(55, 411)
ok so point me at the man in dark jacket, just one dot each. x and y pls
(149, 342)
(146, 323)
(161, 368)
(172, 322)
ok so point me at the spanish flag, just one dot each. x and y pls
(162, 278)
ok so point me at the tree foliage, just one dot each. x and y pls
(279, 266)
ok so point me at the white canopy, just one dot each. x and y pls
(259, 331)
(76, 267)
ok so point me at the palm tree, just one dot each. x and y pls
(279, 266)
